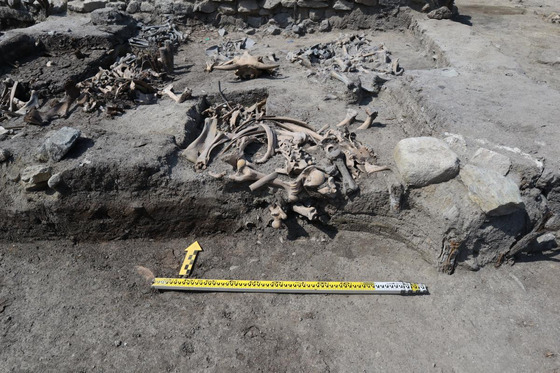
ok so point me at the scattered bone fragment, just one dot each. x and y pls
(351, 115)
(187, 93)
(278, 215)
(263, 181)
(371, 115)
(372, 168)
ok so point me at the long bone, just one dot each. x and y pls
(246, 173)
(309, 212)
(336, 156)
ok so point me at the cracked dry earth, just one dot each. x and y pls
(74, 305)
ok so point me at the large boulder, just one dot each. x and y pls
(425, 160)
(494, 193)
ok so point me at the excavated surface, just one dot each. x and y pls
(74, 305)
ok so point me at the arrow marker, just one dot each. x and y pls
(190, 256)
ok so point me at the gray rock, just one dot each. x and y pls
(495, 194)
(441, 13)
(58, 144)
(283, 19)
(288, 3)
(110, 16)
(297, 29)
(312, 4)
(489, 159)
(4, 155)
(247, 6)
(181, 8)
(206, 7)
(86, 6)
(55, 182)
(133, 7)
(227, 9)
(325, 26)
(35, 177)
(117, 5)
(425, 160)
(254, 21)
(164, 6)
(367, 2)
(250, 31)
(273, 30)
(343, 5)
(271, 4)
(316, 15)
(146, 7)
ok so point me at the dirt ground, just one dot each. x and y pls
(74, 305)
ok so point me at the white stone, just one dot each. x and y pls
(271, 4)
(494, 193)
(343, 5)
(425, 160)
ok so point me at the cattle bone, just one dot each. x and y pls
(272, 143)
(195, 148)
(336, 156)
(371, 115)
(329, 189)
(246, 173)
(351, 114)
(278, 215)
(187, 93)
(32, 103)
(309, 212)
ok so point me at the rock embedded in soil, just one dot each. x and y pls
(489, 159)
(56, 146)
(35, 177)
(4, 155)
(494, 193)
(425, 160)
(441, 13)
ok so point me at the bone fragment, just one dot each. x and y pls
(329, 188)
(371, 168)
(12, 96)
(278, 215)
(195, 148)
(336, 156)
(32, 103)
(309, 212)
(371, 115)
(351, 114)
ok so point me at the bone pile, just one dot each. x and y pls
(353, 60)
(156, 35)
(298, 164)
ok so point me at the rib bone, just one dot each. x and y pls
(372, 114)
(351, 114)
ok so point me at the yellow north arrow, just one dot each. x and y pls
(190, 256)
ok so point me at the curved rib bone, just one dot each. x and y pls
(372, 114)
(271, 144)
(351, 114)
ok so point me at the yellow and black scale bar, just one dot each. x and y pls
(305, 287)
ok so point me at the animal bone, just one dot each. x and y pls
(371, 168)
(349, 186)
(271, 144)
(195, 148)
(263, 181)
(329, 189)
(12, 96)
(166, 56)
(372, 114)
(246, 66)
(278, 215)
(204, 157)
(314, 178)
(246, 173)
(351, 114)
(187, 93)
(33, 116)
(309, 212)
(32, 103)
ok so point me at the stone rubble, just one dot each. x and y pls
(58, 144)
